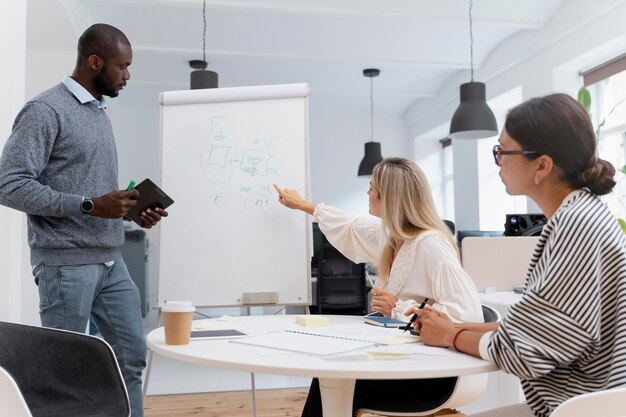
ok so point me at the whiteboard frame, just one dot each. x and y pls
(223, 95)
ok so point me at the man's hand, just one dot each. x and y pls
(114, 204)
(152, 217)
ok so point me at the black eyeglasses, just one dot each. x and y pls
(498, 152)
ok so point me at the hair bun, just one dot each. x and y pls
(598, 176)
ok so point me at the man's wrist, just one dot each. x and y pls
(86, 206)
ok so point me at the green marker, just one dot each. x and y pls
(131, 185)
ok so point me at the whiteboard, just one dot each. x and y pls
(226, 233)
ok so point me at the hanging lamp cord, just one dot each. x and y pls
(471, 2)
(204, 31)
(372, 109)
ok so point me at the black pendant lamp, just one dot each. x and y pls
(201, 77)
(473, 119)
(372, 149)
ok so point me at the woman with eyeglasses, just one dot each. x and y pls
(416, 256)
(567, 334)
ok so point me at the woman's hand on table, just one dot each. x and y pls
(435, 327)
(383, 301)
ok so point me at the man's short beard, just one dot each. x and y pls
(101, 85)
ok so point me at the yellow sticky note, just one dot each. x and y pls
(311, 321)
(400, 339)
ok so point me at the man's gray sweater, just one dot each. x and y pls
(60, 151)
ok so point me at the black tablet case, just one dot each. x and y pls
(150, 197)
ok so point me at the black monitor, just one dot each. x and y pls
(524, 224)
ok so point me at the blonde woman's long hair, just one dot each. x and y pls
(407, 207)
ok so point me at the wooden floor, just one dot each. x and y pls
(270, 403)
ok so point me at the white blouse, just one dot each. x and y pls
(426, 266)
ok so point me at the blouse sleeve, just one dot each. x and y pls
(453, 289)
(357, 238)
(456, 294)
(429, 267)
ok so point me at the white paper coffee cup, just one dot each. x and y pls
(177, 318)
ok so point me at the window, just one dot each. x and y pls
(447, 179)
(608, 112)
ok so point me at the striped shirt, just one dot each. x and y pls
(567, 335)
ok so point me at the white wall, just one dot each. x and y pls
(338, 133)
(581, 35)
(25, 77)
(466, 206)
(15, 278)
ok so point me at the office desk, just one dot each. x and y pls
(337, 373)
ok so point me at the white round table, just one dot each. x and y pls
(337, 374)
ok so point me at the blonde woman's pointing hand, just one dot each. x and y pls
(293, 200)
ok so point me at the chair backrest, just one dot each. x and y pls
(11, 400)
(63, 373)
(341, 285)
(500, 262)
(490, 314)
(450, 225)
(607, 403)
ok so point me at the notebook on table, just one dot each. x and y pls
(312, 344)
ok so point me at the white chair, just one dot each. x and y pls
(608, 403)
(463, 390)
(11, 400)
(499, 262)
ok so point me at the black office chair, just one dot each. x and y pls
(455, 391)
(62, 373)
(341, 287)
(450, 225)
(490, 314)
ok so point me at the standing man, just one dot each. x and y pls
(60, 167)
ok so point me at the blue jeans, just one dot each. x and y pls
(71, 295)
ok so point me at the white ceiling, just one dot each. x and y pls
(417, 44)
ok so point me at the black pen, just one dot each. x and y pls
(410, 323)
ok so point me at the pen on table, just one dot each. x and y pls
(369, 279)
(410, 323)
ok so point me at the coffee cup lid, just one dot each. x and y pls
(178, 306)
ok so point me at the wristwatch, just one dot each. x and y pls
(87, 205)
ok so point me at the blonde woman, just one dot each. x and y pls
(415, 253)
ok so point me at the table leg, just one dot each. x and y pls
(337, 396)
